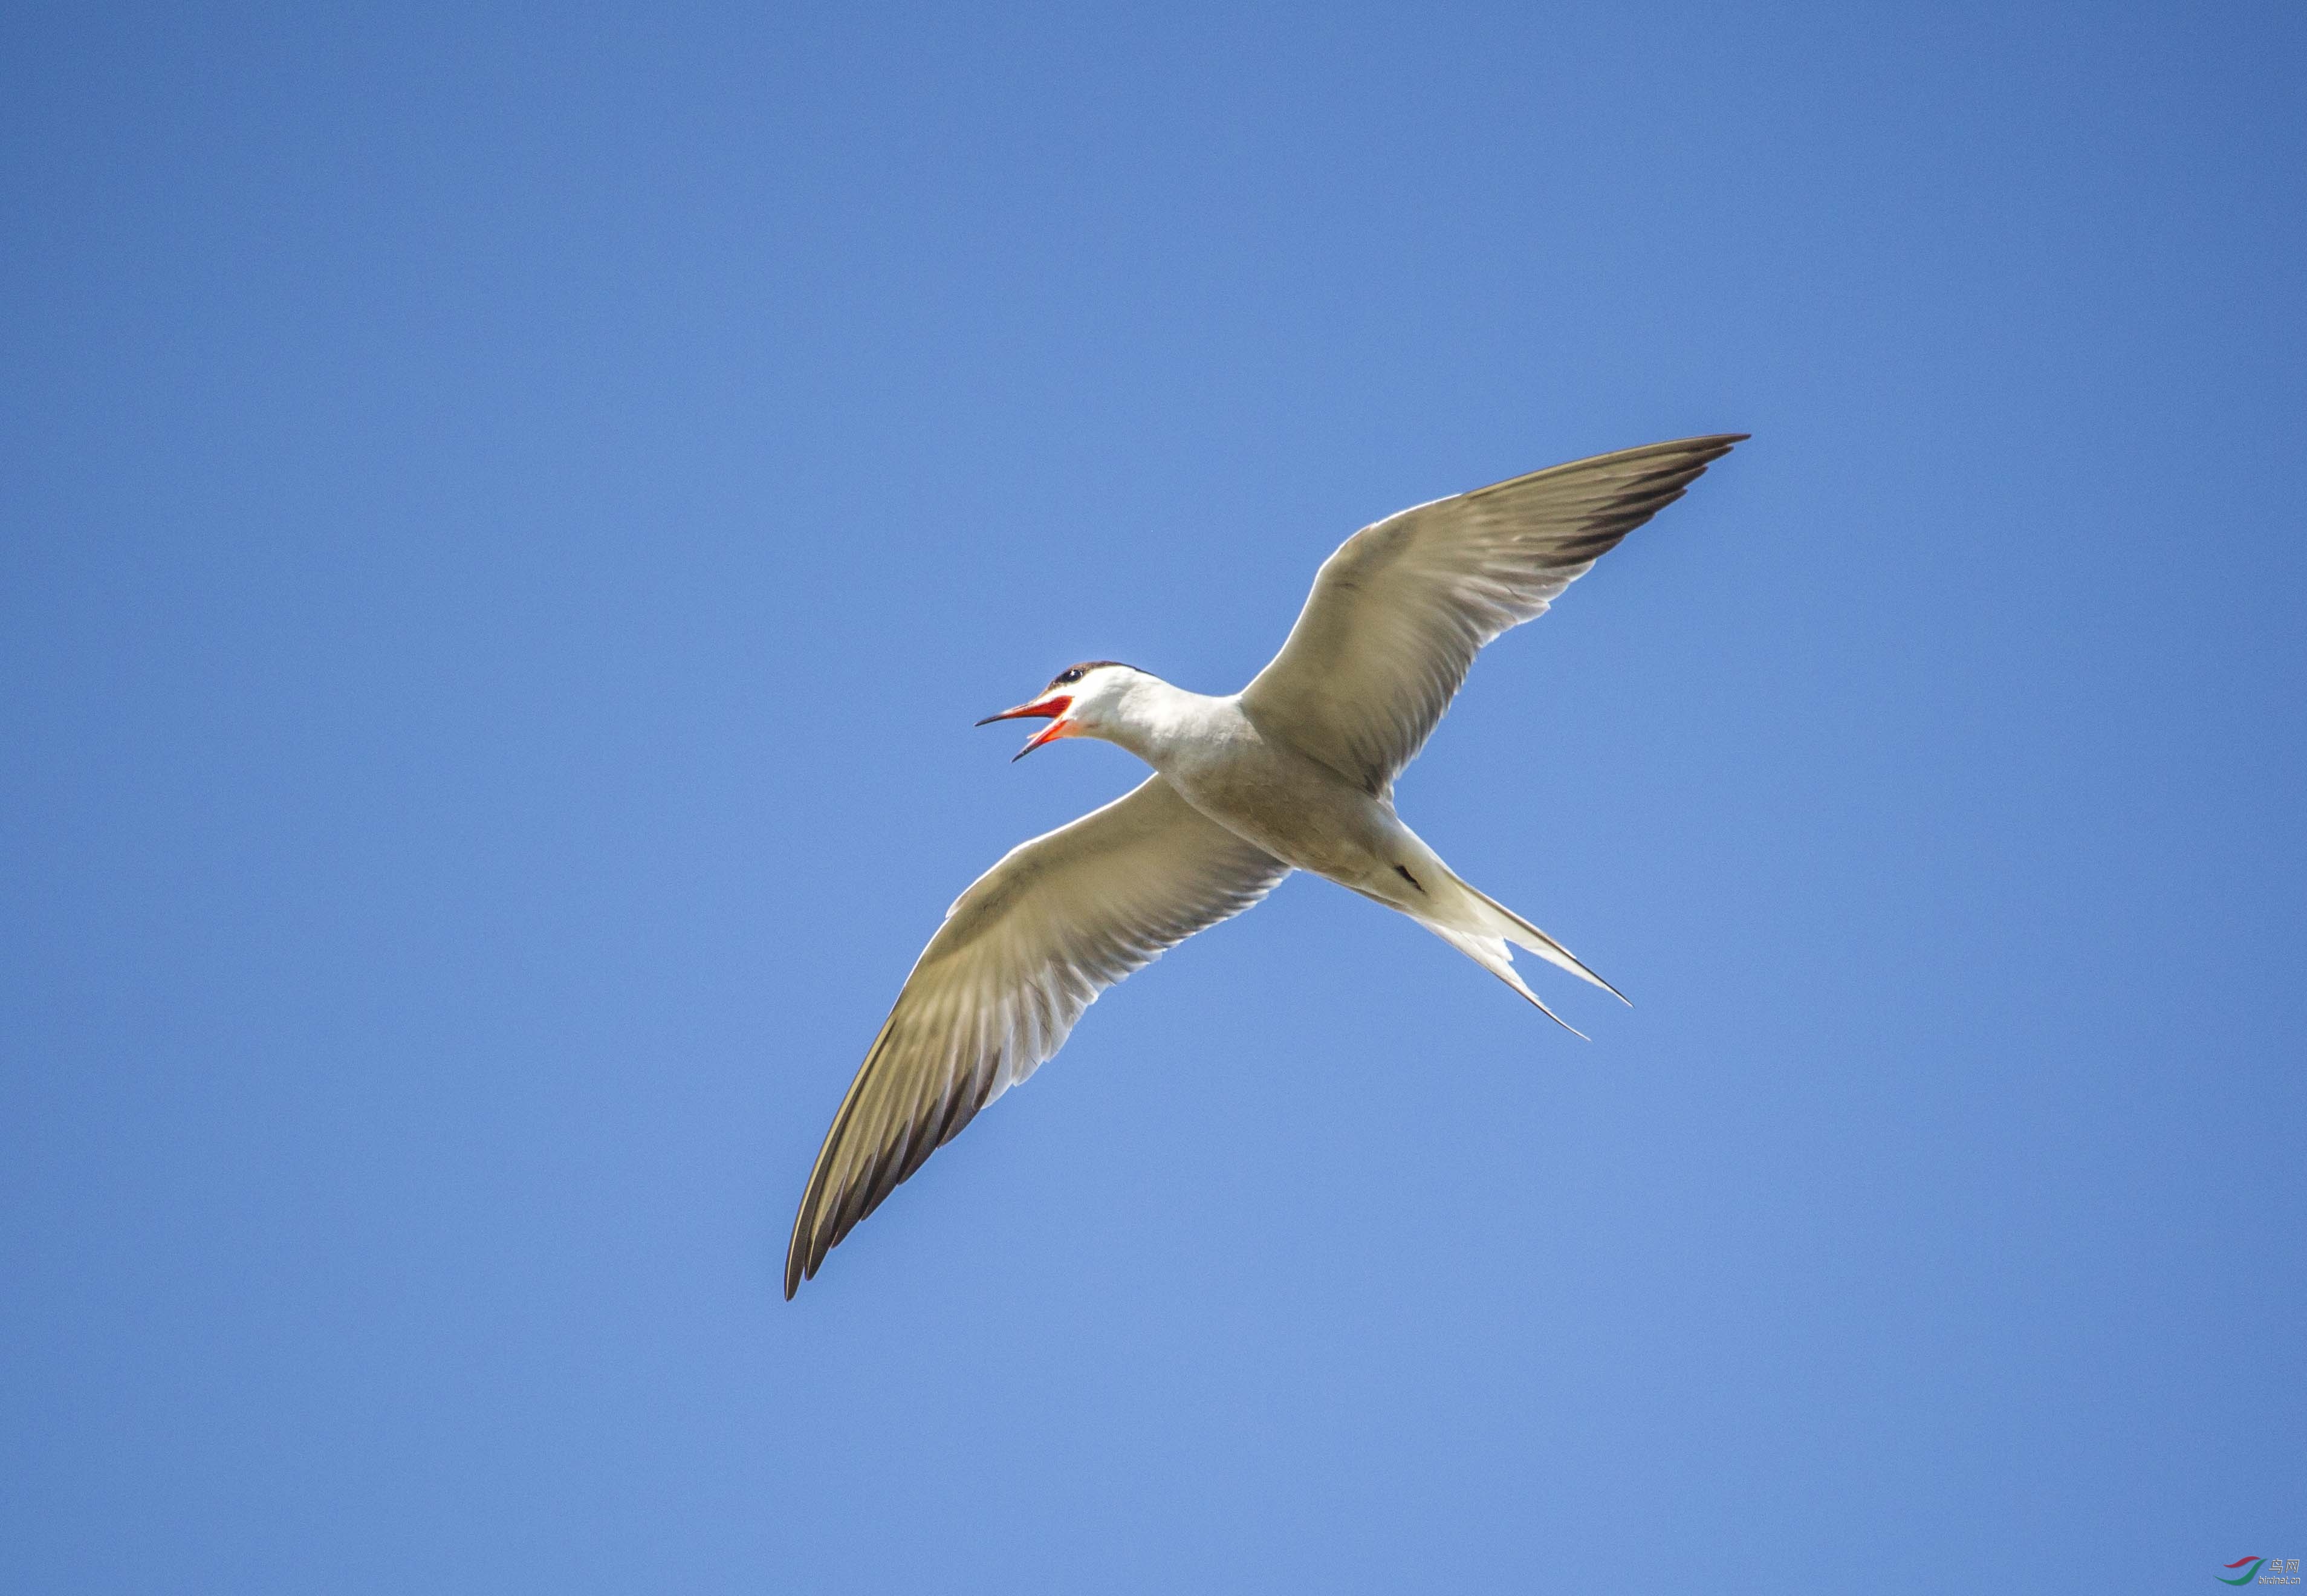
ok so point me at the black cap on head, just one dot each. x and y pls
(1074, 673)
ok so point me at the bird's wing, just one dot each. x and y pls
(1398, 613)
(1022, 953)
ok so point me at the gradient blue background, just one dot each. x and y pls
(510, 519)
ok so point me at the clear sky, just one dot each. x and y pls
(509, 517)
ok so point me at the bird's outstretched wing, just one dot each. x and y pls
(1398, 613)
(1021, 953)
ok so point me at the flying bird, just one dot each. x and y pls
(1296, 772)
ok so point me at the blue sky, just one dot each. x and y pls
(511, 515)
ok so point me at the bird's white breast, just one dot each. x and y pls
(1259, 787)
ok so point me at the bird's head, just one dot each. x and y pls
(1081, 700)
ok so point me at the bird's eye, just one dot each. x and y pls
(1070, 676)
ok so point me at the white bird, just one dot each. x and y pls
(1294, 772)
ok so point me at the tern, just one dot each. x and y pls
(1296, 772)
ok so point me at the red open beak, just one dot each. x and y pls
(1053, 708)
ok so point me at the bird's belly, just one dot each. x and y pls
(1317, 825)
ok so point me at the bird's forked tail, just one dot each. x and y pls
(1482, 927)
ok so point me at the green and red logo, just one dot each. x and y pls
(2265, 1571)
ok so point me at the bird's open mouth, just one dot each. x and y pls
(1052, 709)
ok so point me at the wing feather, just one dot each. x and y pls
(1399, 611)
(1020, 955)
